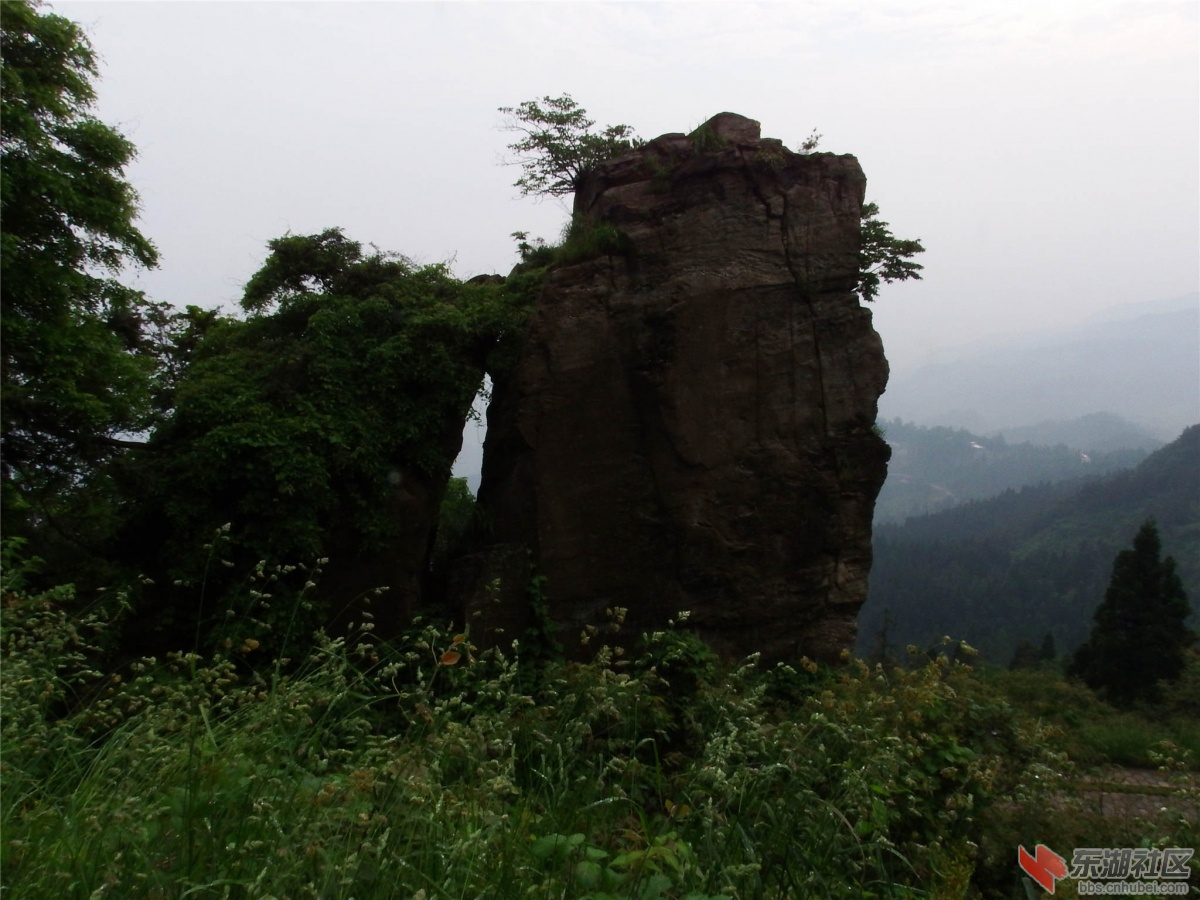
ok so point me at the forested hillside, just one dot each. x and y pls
(1029, 562)
(936, 468)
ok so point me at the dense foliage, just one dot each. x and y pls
(423, 768)
(78, 357)
(306, 427)
(371, 769)
(1139, 639)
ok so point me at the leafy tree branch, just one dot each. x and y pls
(559, 144)
(883, 256)
(77, 363)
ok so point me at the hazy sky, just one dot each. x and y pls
(1045, 152)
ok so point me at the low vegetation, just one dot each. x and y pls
(433, 768)
(581, 240)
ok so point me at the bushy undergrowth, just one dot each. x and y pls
(582, 239)
(1097, 734)
(430, 769)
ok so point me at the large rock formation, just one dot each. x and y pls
(690, 424)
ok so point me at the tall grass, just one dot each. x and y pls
(427, 769)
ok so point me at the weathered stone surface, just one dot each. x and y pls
(734, 129)
(690, 424)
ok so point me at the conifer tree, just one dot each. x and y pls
(1139, 638)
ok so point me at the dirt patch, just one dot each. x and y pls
(1139, 793)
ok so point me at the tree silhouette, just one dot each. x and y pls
(1139, 638)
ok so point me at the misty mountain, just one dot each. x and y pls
(1029, 562)
(1092, 434)
(934, 469)
(1140, 362)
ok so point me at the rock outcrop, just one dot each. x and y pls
(690, 423)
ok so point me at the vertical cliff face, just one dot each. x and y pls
(689, 426)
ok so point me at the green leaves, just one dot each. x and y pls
(325, 422)
(559, 144)
(303, 265)
(883, 257)
(647, 873)
(76, 369)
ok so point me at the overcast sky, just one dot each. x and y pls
(1045, 152)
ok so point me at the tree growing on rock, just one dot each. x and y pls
(1139, 638)
(559, 144)
(883, 257)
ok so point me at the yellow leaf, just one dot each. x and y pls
(450, 657)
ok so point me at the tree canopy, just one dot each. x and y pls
(77, 358)
(1139, 638)
(307, 423)
(560, 144)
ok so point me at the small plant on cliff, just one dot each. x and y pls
(585, 239)
(883, 256)
(534, 253)
(810, 143)
(582, 239)
(706, 140)
(559, 145)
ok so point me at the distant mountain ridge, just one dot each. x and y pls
(1095, 433)
(935, 468)
(1031, 562)
(1140, 362)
